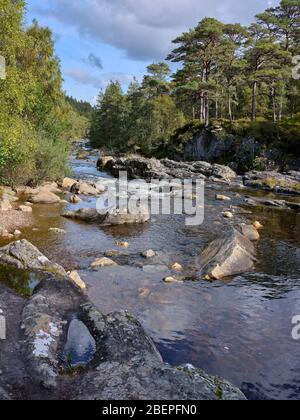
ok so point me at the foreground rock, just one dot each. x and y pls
(23, 255)
(228, 256)
(140, 167)
(132, 369)
(125, 364)
(273, 181)
(113, 217)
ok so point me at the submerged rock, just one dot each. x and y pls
(228, 256)
(23, 255)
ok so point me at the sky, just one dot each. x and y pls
(102, 40)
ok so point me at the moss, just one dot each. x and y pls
(219, 393)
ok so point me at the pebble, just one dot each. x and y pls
(149, 254)
(222, 197)
(177, 267)
(171, 280)
(123, 244)
(228, 215)
(257, 225)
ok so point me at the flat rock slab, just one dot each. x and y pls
(228, 256)
(113, 217)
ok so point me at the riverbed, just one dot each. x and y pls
(239, 329)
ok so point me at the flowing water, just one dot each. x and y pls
(240, 330)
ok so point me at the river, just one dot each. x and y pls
(240, 330)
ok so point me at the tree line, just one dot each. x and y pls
(36, 120)
(225, 72)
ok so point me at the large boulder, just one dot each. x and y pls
(68, 183)
(45, 197)
(86, 188)
(23, 255)
(129, 367)
(228, 256)
(273, 181)
(112, 217)
(105, 163)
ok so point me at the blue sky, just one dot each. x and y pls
(102, 40)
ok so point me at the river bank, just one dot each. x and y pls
(223, 327)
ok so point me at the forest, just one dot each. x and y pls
(37, 122)
(243, 79)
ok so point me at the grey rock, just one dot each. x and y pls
(112, 217)
(43, 321)
(274, 181)
(230, 255)
(140, 167)
(130, 367)
(23, 255)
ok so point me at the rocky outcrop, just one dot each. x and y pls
(273, 181)
(129, 367)
(125, 364)
(112, 217)
(23, 255)
(228, 256)
(209, 146)
(140, 167)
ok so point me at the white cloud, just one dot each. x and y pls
(144, 28)
(85, 78)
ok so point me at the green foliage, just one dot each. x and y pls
(35, 120)
(140, 120)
